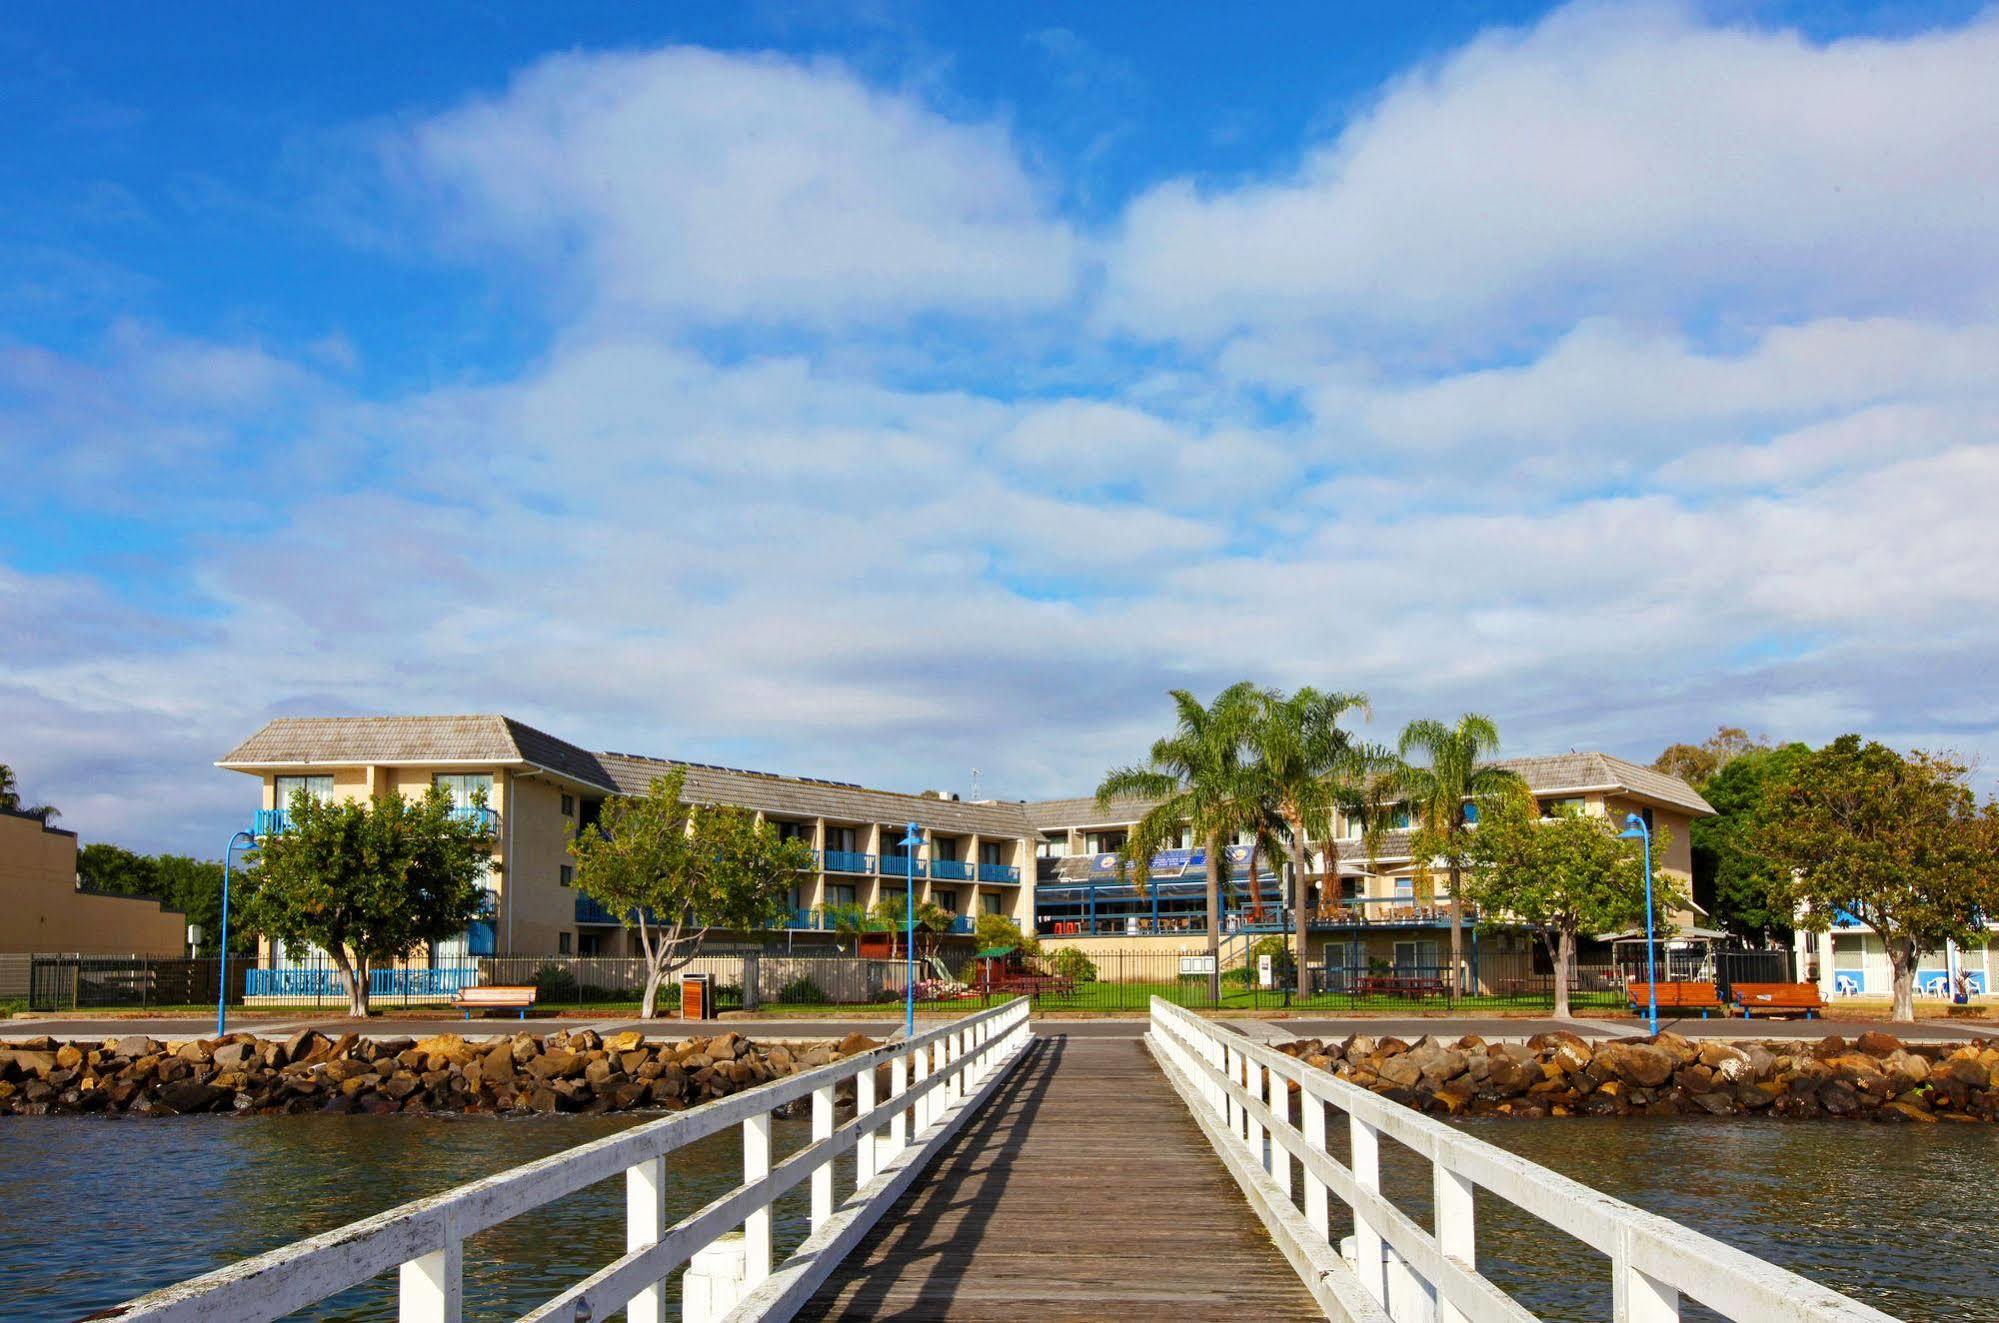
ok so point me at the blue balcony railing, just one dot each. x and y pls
(951, 870)
(962, 924)
(589, 910)
(847, 861)
(897, 865)
(805, 919)
(274, 822)
(998, 873)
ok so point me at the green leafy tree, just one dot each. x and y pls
(673, 872)
(932, 920)
(1898, 842)
(1311, 769)
(1696, 764)
(367, 881)
(1199, 779)
(993, 931)
(10, 798)
(848, 922)
(1455, 773)
(1560, 877)
(1733, 882)
(112, 870)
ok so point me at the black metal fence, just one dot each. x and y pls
(68, 983)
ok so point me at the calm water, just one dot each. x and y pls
(97, 1211)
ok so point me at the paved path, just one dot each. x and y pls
(1084, 1190)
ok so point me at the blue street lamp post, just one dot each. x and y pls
(222, 972)
(911, 843)
(1635, 829)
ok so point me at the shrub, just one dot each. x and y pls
(1283, 962)
(1074, 965)
(554, 983)
(802, 991)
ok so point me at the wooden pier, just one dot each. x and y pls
(1116, 1207)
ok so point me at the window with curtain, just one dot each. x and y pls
(319, 787)
(463, 786)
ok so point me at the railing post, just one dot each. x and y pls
(1252, 1083)
(1456, 1235)
(865, 1164)
(645, 1222)
(1635, 1297)
(1229, 1072)
(756, 1227)
(898, 1123)
(1312, 1113)
(919, 1112)
(430, 1288)
(1366, 1162)
(1278, 1092)
(822, 1176)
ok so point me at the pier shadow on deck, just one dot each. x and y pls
(1084, 1190)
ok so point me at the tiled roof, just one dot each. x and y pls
(1600, 771)
(1050, 814)
(303, 741)
(802, 797)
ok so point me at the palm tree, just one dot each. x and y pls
(10, 798)
(1455, 773)
(1199, 779)
(1310, 768)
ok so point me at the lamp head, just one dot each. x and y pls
(1634, 828)
(915, 836)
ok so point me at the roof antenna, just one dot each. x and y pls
(975, 784)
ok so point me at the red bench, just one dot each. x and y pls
(1689, 996)
(1777, 999)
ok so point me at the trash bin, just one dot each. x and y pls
(697, 997)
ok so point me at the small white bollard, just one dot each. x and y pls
(715, 1281)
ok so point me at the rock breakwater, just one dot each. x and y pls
(579, 1071)
(1874, 1077)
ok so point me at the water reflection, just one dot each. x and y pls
(100, 1210)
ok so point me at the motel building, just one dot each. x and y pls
(1849, 960)
(1390, 913)
(1050, 865)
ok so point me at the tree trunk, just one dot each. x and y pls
(1214, 923)
(1564, 952)
(1255, 888)
(649, 1003)
(355, 974)
(1902, 960)
(1457, 929)
(1301, 912)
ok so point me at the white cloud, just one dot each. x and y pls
(732, 186)
(1607, 160)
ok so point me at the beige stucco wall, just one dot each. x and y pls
(42, 911)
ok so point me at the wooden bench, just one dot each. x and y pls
(1689, 996)
(469, 1000)
(1777, 999)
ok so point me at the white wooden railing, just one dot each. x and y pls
(1391, 1270)
(937, 1079)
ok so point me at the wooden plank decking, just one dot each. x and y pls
(1083, 1191)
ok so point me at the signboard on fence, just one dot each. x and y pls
(1266, 973)
(1202, 965)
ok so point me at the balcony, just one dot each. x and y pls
(804, 920)
(848, 861)
(275, 822)
(951, 870)
(998, 873)
(897, 865)
(593, 911)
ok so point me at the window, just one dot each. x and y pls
(840, 839)
(1554, 808)
(946, 901)
(465, 787)
(840, 894)
(569, 806)
(319, 787)
(1415, 957)
(566, 876)
(1400, 817)
(990, 852)
(1097, 842)
(990, 904)
(562, 943)
(1405, 888)
(795, 831)
(590, 944)
(944, 847)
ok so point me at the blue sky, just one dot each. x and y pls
(884, 391)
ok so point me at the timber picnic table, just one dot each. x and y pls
(1401, 985)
